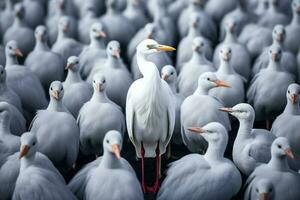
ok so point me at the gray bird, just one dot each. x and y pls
(111, 171)
(95, 52)
(56, 130)
(272, 81)
(35, 182)
(47, 65)
(98, 107)
(251, 146)
(35, 13)
(116, 74)
(7, 16)
(136, 13)
(65, 45)
(9, 171)
(19, 31)
(240, 60)
(23, 82)
(285, 181)
(77, 91)
(199, 109)
(226, 72)
(191, 70)
(262, 189)
(208, 176)
(286, 124)
(217, 9)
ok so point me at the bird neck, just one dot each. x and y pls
(109, 161)
(61, 35)
(112, 11)
(274, 65)
(56, 105)
(201, 90)
(5, 125)
(279, 163)
(113, 62)
(173, 87)
(291, 108)
(147, 68)
(296, 18)
(41, 46)
(245, 127)
(193, 32)
(11, 60)
(225, 67)
(277, 43)
(18, 22)
(73, 77)
(230, 37)
(100, 97)
(198, 57)
(272, 8)
(214, 152)
(26, 161)
(97, 43)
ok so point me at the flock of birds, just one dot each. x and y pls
(80, 79)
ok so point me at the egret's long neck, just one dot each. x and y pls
(26, 161)
(11, 60)
(147, 68)
(73, 77)
(245, 128)
(97, 43)
(198, 57)
(99, 97)
(291, 108)
(56, 105)
(109, 160)
(4, 125)
(41, 45)
(230, 37)
(296, 18)
(214, 152)
(279, 163)
(225, 67)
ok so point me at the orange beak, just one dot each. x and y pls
(18, 52)
(293, 98)
(116, 53)
(55, 94)
(102, 34)
(222, 84)
(165, 77)
(228, 110)
(70, 66)
(196, 130)
(289, 153)
(24, 150)
(275, 56)
(116, 150)
(263, 196)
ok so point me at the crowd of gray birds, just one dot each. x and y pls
(149, 99)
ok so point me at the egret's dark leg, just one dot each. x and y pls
(143, 166)
(155, 187)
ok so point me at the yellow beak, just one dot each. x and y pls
(161, 47)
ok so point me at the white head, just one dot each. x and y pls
(169, 74)
(64, 24)
(149, 46)
(279, 33)
(112, 143)
(99, 82)
(97, 31)
(19, 10)
(225, 53)
(292, 93)
(73, 64)
(150, 30)
(230, 25)
(263, 189)
(296, 6)
(209, 80)
(242, 111)
(198, 44)
(194, 21)
(28, 145)
(281, 148)
(12, 49)
(275, 53)
(113, 49)
(41, 33)
(56, 90)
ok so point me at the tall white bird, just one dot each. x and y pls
(150, 109)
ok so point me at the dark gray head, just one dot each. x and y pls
(194, 20)
(230, 25)
(209, 80)
(40, 33)
(56, 90)
(281, 148)
(150, 30)
(5, 110)
(113, 49)
(241, 111)
(169, 74)
(2, 74)
(73, 63)
(198, 44)
(12, 49)
(112, 143)
(28, 145)
(296, 6)
(19, 10)
(278, 33)
(292, 93)
(64, 24)
(263, 189)
(99, 82)
(275, 53)
(97, 31)
(225, 53)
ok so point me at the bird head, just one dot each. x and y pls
(209, 80)
(281, 148)
(292, 93)
(2, 74)
(61, 4)
(19, 10)
(198, 44)
(275, 53)
(41, 33)
(73, 63)
(194, 21)
(242, 111)
(274, 2)
(111, 4)
(64, 24)
(28, 144)
(149, 46)
(150, 30)
(169, 74)
(264, 189)
(225, 53)
(230, 25)
(99, 82)
(56, 90)
(5, 110)
(112, 143)
(96, 31)
(296, 6)
(12, 49)
(113, 49)
(278, 33)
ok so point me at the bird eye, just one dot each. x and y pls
(256, 189)
(208, 79)
(103, 81)
(94, 81)
(2, 72)
(10, 47)
(288, 91)
(62, 89)
(107, 141)
(229, 51)
(279, 146)
(33, 143)
(172, 73)
(51, 88)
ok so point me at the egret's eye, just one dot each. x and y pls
(151, 46)
(201, 44)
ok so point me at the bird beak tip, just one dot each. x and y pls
(196, 130)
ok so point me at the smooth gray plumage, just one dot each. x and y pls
(56, 130)
(77, 91)
(208, 176)
(219, 8)
(251, 146)
(35, 13)
(261, 189)
(199, 109)
(47, 65)
(191, 70)
(136, 13)
(7, 16)
(108, 177)
(285, 182)
(98, 107)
